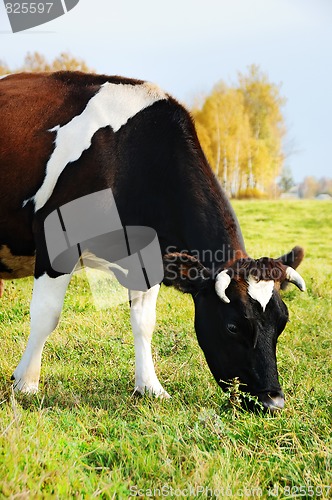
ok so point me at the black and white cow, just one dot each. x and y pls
(66, 135)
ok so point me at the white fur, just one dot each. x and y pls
(113, 106)
(222, 282)
(260, 290)
(143, 319)
(45, 309)
(4, 76)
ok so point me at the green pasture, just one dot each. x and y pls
(85, 435)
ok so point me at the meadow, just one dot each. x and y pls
(85, 435)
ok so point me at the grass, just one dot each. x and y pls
(86, 436)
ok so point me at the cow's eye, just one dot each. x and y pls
(233, 329)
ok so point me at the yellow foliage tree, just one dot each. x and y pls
(4, 70)
(37, 63)
(241, 129)
(263, 104)
(226, 135)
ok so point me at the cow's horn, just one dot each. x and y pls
(223, 279)
(294, 277)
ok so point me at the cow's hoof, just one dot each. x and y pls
(24, 386)
(159, 392)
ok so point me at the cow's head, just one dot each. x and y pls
(239, 316)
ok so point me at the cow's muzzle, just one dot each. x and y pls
(272, 401)
(268, 401)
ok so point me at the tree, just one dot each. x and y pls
(241, 129)
(4, 70)
(37, 63)
(286, 181)
(309, 188)
(224, 132)
(325, 186)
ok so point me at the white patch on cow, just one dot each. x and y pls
(45, 309)
(4, 76)
(143, 319)
(113, 106)
(260, 290)
(55, 129)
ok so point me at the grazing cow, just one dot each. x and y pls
(66, 135)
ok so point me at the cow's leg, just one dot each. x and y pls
(143, 319)
(45, 310)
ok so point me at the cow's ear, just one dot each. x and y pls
(186, 273)
(292, 259)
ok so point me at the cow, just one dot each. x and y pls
(65, 135)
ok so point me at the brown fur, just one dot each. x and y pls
(265, 269)
(18, 266)
(31, 105)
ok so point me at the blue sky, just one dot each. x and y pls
(187, 46)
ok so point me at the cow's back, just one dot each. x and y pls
(68, 134)
(49, 121)
(30, 106)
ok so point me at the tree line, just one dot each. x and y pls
(37, 62)
(311, 187)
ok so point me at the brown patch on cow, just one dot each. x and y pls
(19, 266)
(31, 104)
(264, 269)
(238, 256)
(184, 271)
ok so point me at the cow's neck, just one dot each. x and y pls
(179, 197)
(204, 224)
(209, 231)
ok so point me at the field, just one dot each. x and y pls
(86, 436)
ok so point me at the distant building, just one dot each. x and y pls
(323, 196)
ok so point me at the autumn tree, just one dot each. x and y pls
(263, 104)
(4, 70)
(37, 62)
(325, 186)
(241, 129)
(224, 132)
(309, 187)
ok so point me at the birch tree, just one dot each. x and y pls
(241, 129)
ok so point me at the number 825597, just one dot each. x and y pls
(29, 8)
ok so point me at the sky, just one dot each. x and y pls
(187, 46)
